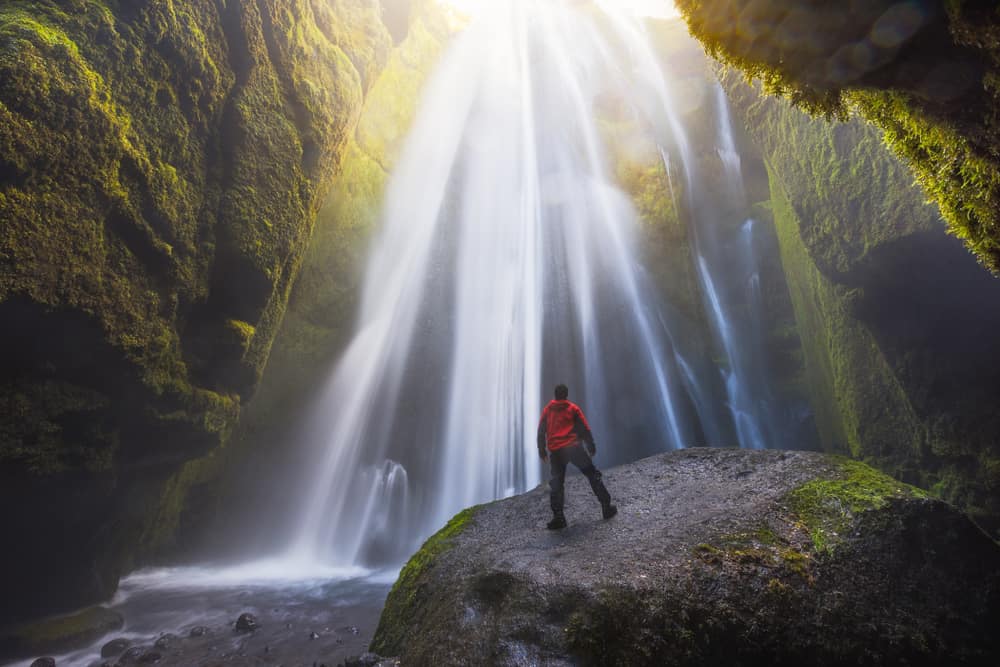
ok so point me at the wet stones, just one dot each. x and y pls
(247, 622)
(115, 647)
(132, 656)
(44, 662)
(369, 660)
(198, 631)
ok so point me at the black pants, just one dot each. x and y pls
(558, 460)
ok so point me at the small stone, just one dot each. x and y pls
(363, 660)
(115, 647)
(247, 622)
(150, 657)
(314, 635)
(166, 641)
(44, 662)
(353, 630)
(198, 631)
(131, 656)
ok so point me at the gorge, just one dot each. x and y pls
(549, 191)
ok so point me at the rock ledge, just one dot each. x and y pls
(717, 557)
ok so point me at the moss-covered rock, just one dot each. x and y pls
(415, 588)
(161, 165)
(716, 557)
(926, 73)
(59, 633)
(893, 317)
(322, 304)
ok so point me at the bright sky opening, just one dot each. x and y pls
(656, 8)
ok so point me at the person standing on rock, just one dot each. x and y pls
(560, 430)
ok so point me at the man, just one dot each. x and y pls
(559, 432)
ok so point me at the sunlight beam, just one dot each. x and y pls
(663, 9)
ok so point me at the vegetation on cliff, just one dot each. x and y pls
(891, 312)
(926, 74)
(322, 305)
(161, 165)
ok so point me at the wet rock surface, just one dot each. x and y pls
(716, 557)
(247, 622)
(297, 624)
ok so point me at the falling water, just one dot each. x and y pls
(727, 268)
(506, 263)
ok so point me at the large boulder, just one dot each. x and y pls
(716, 557)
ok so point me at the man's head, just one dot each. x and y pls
(562, 392)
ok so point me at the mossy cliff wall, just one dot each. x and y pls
(927, 73)
(321, 310)
(161, 165)
(896, 318)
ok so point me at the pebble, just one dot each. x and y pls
(247, 622)
(115, 647)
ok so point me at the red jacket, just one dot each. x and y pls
(561, 425)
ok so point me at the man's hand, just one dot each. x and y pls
(591, 448)
(543, 455)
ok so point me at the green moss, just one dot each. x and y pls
(409, 592)
(950, 145)
(828, 507)
(761, 547)
(244, 330)
(161, 168)
(949, 166)
(856, 395)
(59, 632)
(322, 303)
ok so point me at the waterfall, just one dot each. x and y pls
(727, 267)
(506, 262)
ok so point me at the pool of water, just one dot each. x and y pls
(306, 614)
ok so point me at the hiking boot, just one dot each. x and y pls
(608, 510)
(557, 523)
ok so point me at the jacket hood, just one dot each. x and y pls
(557, 404)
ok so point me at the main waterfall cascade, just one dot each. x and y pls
(507, 262)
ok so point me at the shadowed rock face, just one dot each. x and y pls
(896, 318)
(716, 557)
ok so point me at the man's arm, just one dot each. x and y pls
(583, 429)
(542, 452)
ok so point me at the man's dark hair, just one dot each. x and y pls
(562, 392)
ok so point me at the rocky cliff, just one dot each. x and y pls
(926, 73)
(161, 165)
(320, 313)
(895, 317)
(716, 557)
